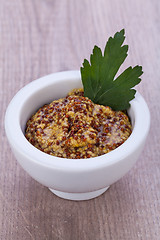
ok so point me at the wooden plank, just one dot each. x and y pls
(40, 37)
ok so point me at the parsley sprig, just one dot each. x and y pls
(98, 76)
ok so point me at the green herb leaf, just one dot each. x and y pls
(98, 76)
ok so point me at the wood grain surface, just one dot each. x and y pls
(38, 37)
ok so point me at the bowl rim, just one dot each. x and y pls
(19, 143)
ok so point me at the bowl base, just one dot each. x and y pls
(79, 196)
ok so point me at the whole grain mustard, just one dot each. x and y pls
(74, 127)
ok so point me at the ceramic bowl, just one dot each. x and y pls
(74, 179)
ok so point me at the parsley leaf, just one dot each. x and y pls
(98, 76)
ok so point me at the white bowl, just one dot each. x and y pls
(74, 179)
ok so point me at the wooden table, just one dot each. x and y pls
(38, 37)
